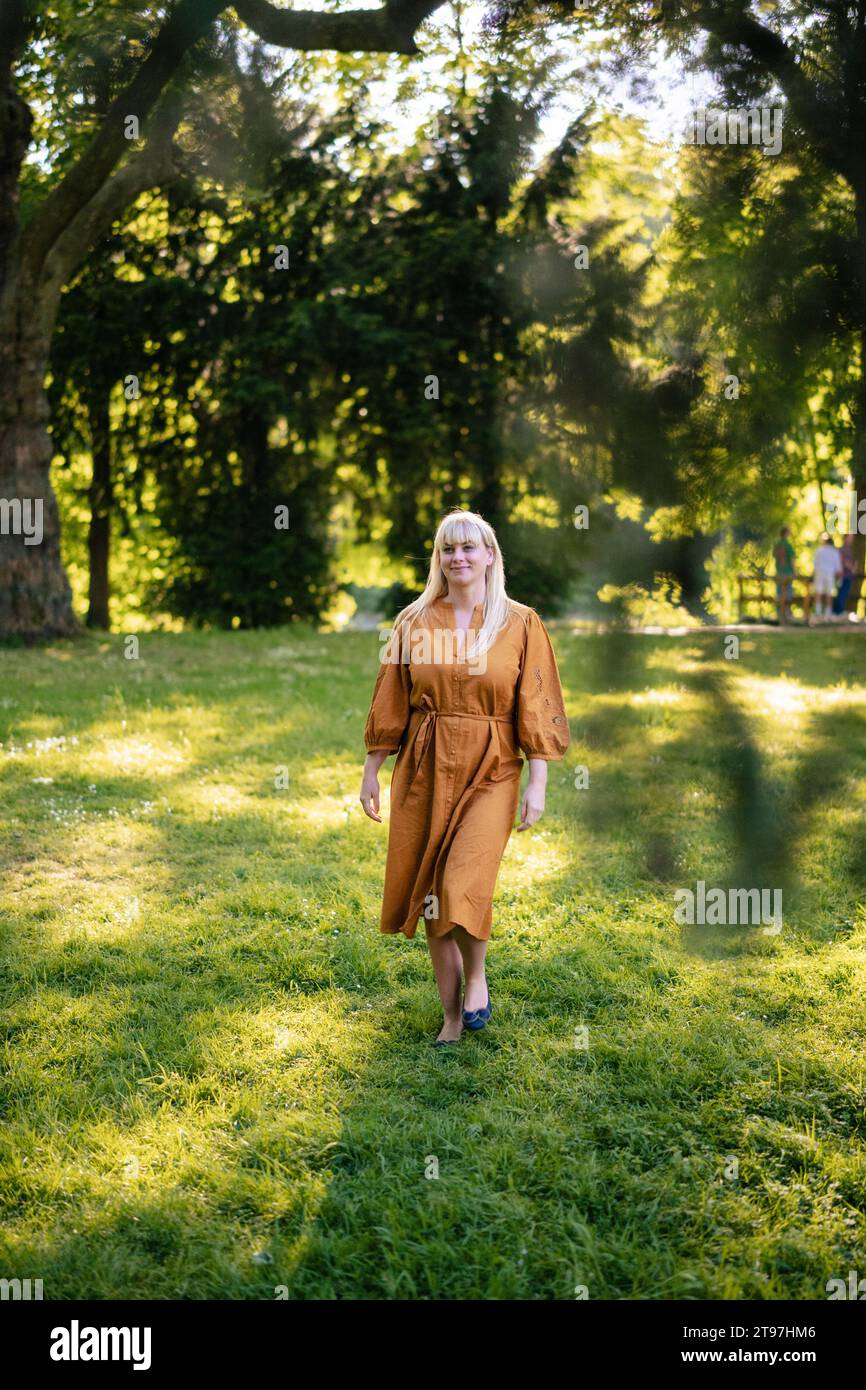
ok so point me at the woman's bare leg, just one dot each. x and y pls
(473, 952)
(447, 967)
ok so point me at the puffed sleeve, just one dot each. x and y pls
(388, 716)
(539, 715)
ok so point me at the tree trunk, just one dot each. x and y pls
(101, 499)
(35, 598)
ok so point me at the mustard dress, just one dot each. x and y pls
(458, 727)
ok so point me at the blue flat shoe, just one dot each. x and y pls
(475, 1019)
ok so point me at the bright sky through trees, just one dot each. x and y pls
(668, 97)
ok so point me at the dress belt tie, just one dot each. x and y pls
(425, 728)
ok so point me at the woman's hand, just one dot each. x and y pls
(370, 785)
(532, 806)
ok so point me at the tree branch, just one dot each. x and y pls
(819, 118)
(154, 167)
(389, 29)
(185, 25)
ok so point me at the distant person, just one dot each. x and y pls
(828, 570)
(783, 554)
(846, 555)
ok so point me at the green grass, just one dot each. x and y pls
(218, 1074)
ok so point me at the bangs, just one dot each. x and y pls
(459, 530)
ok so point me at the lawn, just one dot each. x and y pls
(218, 1074)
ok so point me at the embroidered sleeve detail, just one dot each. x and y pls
(541, 721)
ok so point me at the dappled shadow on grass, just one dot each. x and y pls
(265, 1055)
(556, 1165)
(681, 790)
(528, 1134)
(635, 805)
(553, 1141)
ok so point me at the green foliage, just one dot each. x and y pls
(540, 564)
(656, 605)
(445, 261)
(232, 565)
(731, 557)
(761, 291)
(452, 258)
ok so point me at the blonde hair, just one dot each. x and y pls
(461, 526)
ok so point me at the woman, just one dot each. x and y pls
(468, 679)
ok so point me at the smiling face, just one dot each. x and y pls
(464, 562)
